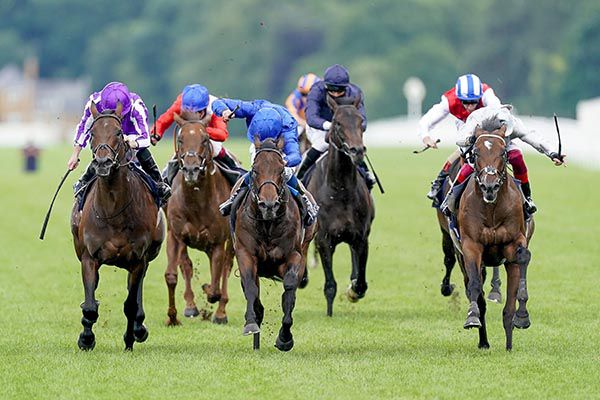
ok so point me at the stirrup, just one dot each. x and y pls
(530, 206)
(225, 207)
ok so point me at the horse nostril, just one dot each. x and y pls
(262, 204)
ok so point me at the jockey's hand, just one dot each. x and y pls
(154, 138)
(429, 142)
(131, 142)
(227, 115)
(557, 159)
(73, 162)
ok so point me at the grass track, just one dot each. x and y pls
(404, 340)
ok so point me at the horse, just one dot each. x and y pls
(120, 224)
(493, 231)
(194, 220)
(270, 240)
(448, 248)
(346, 206)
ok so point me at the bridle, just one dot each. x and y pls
(335, 134)
(114, 152)
(488, 169)
(255, 190)
(203, 157)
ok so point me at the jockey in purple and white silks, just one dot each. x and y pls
(134, 122)
(336, 84)
(267, 120)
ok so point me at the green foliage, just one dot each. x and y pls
(541, 56)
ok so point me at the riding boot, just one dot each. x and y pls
(240, 188)
(310, 159)
(530, 206)
(168, 174)
(368, 175)
(149, 166)
(308, 202)
(436, 186)
(84, 180)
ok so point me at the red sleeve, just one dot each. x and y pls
(217, 129)
(166, 119)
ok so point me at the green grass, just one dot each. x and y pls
(403, 340)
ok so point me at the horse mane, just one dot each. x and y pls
(491, 124)
(268, 143)
(108, 112)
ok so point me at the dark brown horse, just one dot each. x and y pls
(346, 206)
(493, 232)
(120, 224)
(269, 240)
(194, 221)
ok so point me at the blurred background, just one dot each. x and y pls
(543, 57)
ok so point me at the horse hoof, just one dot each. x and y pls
(495, 297)
(303, 281)
(220, 320)
(214, 298)
(86, 343)
(172, 322)
(472, 322)
(521, 322)
(284, 346)
(484, 346)
(191, 312)
(141, 334)
(250, 329)
(447, 289)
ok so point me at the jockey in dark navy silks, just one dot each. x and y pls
(134, 122)
(336, 84)
(268, 120)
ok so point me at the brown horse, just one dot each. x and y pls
(270, 240)
(194, 220)
(120, 224)
(493, 232)
(346, 206)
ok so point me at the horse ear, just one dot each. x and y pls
(357, 100)
(119, 109)
(178, 119)
(502, 130)
(256, 142)
(478, 131)
(331, 103)
(280, 142)
(94, 110)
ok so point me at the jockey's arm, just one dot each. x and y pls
(166, 120)
(292, 108)
(313, 119)
(431, 118)
(291, 148)
(139, 116)
(217, 129)
(489, 99)
(529, 137)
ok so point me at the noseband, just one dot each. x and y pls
(203, 158)
(114, 152)
(488, 169)
(335, 134)
(255, 190)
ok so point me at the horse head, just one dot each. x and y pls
(346, 134)
(490, 157)
(192, 147)
(268, 182)
(107, 141)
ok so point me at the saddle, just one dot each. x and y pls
(231, 174)
(311, 169)
(82, 193)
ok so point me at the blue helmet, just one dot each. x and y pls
(469, 88)
(336, 77)
(266, 123)
(112, 94)
(194, 98)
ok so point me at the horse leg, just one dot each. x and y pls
(291, 280)
(358, 282)
(326, 251)
(133, 309)
(495, 295)
(259, 311)
(508, 314)
(449, 261)
(89, 308)
(521, 320)
(249, 281)
(473, 281)
(187, 268)
(173, 253)
(221, 258)
(483, 340)
(212, 290)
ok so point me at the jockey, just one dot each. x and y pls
(514, 129)
(135, 129)
(468, 95)
(268, 120)
(335, 83)
(195, 99)
(296, 101)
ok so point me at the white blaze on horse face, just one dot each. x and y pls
(192, 131)
(488, 144)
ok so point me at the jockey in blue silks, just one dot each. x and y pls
(267, 120)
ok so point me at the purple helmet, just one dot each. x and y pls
(266, 123)
(336, 77)
(112, 94)
(194, 98)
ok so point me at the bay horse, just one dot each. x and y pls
(493, 231)
(346, 206)
(120, 224)
(194, 220)
(449, 250)
(270, 240)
